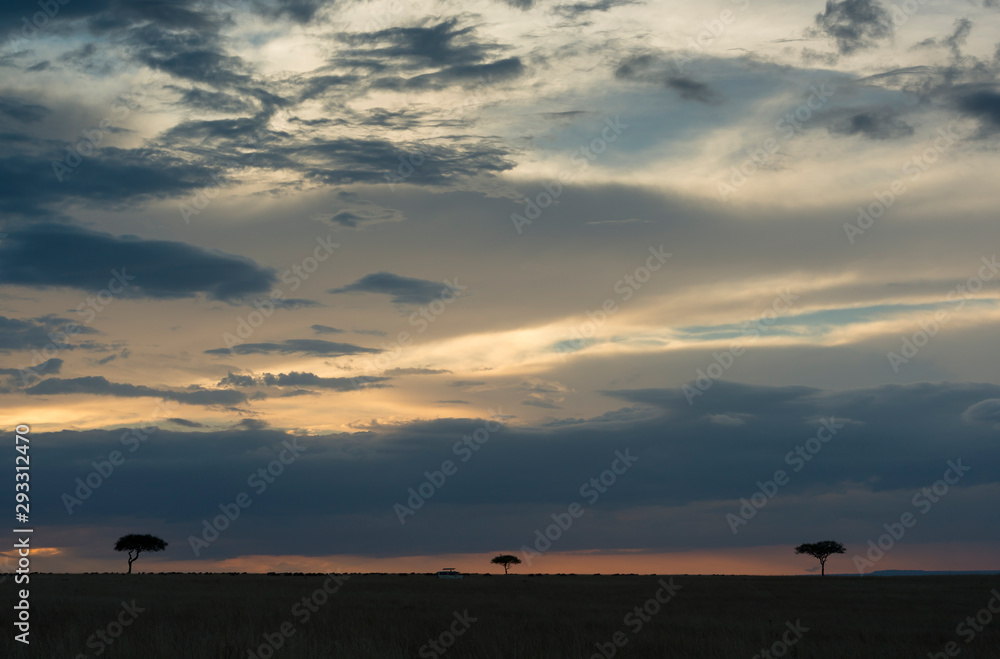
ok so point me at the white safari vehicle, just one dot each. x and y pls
(449, 573)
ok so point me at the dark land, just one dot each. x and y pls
(240, 616)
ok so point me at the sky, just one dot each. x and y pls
(612, 286)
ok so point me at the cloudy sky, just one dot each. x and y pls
(407, 284)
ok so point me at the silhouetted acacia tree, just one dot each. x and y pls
(135, 543)
(821, 550)
(506, 560)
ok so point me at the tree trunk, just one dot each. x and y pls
(822, 568)
(130, 559)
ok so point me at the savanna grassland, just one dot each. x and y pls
(218, 616)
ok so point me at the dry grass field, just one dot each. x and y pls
(192, 616)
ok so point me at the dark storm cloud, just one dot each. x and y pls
(291, 346)
(100, 386)
(391, 54)
(27, 375)
(320, 84)
(176, 14)
(200, 66)
(48, 255)
(36, 174)
(688, 472)
(297, 379)
(875, 125)
(241, 129)
(981, 102)
(505, 69)
(693, 90)
(299, 11)
(124, 354)
(237, 380)
(404, 290)
(968, 84)
(18, 334)
(636, 66)
(132, 23)
(355, 217)
(397, 119)
(855, 24)
(186, 423)
(540, 403)
(21, 111)
(956, 40)
(577, 9)
(249, 141)
(252, 424)
(36, 333)
(443, 44)
(416, 371)
(652, 69)
(108, 14)
(191, 50)
(48, 367)
(952, 42)
(201, 99)
(345, 160)
(326, 329)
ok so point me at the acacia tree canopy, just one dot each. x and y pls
(135, 544)
(821, 550)
(506, 560)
